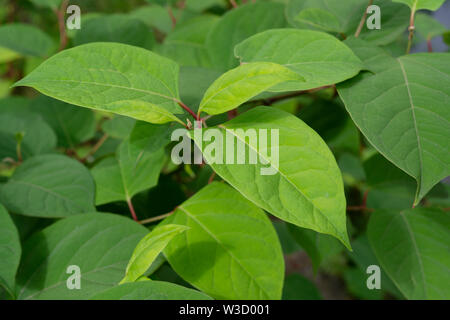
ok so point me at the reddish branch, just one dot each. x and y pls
(62, 25)
(133, 213)
(363, 20)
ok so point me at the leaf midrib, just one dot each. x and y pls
(419, 146)
(223, 247)
(286, 178)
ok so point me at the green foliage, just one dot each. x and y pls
(222, 252)
(393, 111)
(422, 4)
(150, 290)
(49, 186)
(239, 85)
(307, 190)
(99, 243)
(25, 40)
(317, 57)
(412, 247)
(132, 170)
(10, 251)
(148, 249)
(313, 150)
(145, 90)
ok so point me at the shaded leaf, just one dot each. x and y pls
(422, 4)
(150, 290)
(132, 170)
(72, 125)
(115, 28)
(318, 57)
(297, 287)
(10, 251)
(99, 244)
(239, 24)
(231, 250)
(413, 248)
(49, 186)
(403, 113)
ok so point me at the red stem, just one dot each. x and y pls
(192, 113)
(62, 26)
(430, 46)
(133, 213)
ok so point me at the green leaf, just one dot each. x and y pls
(243, 83)
(99, 244)
(25, 39)
(422, 4)
(319, 247)
(374, 58)
(38, 137)
(412, 247)
(344, 17)
(428, 26)
(10, 251)
(325, 15)
(193, 84)
(111, 77)
(49, 186)
(115, 28)
(150, 290)
(154, 16)
(7, 55)
(388, 186)
(356, 281)
(119, 127)
(363, 256)
(150, 137)
(318, 57)
(148, 250)
(186, 44)
(297, 287)
(239, 24)
(402, 112)
(52, 4)
(306, 188)
(132, 170)
(231, 250)
(72, 125)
